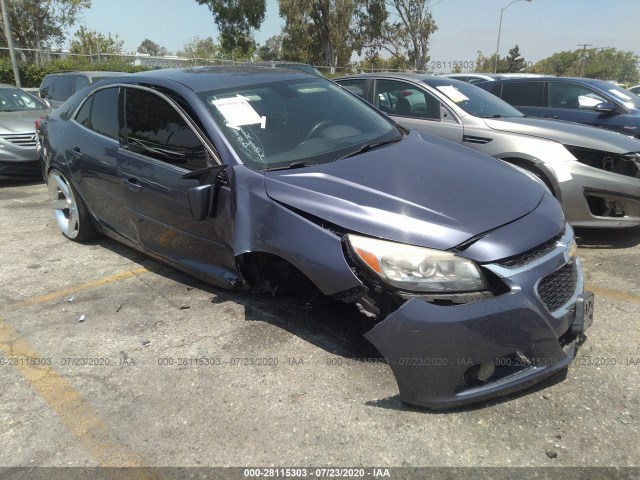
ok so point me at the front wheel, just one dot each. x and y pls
(68, 209)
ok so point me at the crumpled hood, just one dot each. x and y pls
(430, 193)
(20, 122)
(567, 133)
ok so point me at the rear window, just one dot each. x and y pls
(524, 94)
(63, 87)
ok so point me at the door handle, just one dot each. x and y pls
(131, 183)
(551, 116)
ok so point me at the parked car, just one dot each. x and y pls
(635, 89)
(18, 114)
(303, 67)
(250, 176)
(595, 173)
(489, 77)
(57, 87)
(583, 100)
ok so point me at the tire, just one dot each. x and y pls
(69, 210)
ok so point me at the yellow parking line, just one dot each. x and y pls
(80, 288)
(78, 416)
(615, 294)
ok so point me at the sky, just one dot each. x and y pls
(539, 27)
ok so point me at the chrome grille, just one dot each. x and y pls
(531, 255)
(557, 289)
(21, 139)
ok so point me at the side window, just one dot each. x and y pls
(46, 89)
(100, 113)
(406, 100)
(83, 117)
(63, 87)
(523, 94)
(155, 129)
(357, 86)
(81, 82)
(572, 96)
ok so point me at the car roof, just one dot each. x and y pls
(426, 78)
(208, 78)
(91, 73)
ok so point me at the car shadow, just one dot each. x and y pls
(333, 326)
(604, 238)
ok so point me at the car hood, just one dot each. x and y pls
(17, 122)
(430, 193)
(567, 133)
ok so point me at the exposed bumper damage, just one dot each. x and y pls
(436, 352)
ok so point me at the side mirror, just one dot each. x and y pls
(604, 107)
(203, 198)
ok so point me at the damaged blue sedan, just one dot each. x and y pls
(250, 177)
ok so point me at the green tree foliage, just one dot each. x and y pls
(604, 63)
(515, 61)
(317, 32)
(512, 63)
(200, 48)
(151, 48)
(402, 28)
(272, 48)
(90, 42)
(41, 23)
(236, 20)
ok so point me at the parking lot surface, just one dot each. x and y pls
(109, 358)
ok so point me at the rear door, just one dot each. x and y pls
(528, 97)
(160, 145)
(92, 157)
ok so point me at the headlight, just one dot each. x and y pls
(417, 269)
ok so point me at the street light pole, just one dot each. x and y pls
(9, 35)
(495, 70)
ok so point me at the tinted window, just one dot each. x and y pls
(104, 112)
(63, 87)
(405, 99)
(525, 94)
(83, 116)
(356, 85)
(155, 129)
(572, 96)
(46, 88)
(81, 82)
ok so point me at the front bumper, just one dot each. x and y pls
(431, 349)
(24, 170)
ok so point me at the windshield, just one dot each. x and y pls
(628, 99)
(478, 102)
(296, 122)
(16, 100)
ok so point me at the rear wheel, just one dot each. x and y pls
(68, 209)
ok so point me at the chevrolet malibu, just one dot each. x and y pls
(251, 176)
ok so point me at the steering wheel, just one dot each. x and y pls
(316, 129)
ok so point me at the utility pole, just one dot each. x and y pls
(583, 56)
(9, 35)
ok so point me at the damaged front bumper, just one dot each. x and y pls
(518, 338)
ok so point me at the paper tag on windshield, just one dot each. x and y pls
(237, 111)
(453, 93)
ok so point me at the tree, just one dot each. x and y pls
(488, 64)
(272, 48)
(515, 62)
(317, 31)
(38, 24)
(236, 19)
(402, 28)
(90, 42)
(604, 63)
(200, 48)
(151, 48)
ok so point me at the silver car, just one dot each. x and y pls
(18, 113)
(595, 173)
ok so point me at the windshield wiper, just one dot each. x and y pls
(296, 164)
(368, 146)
